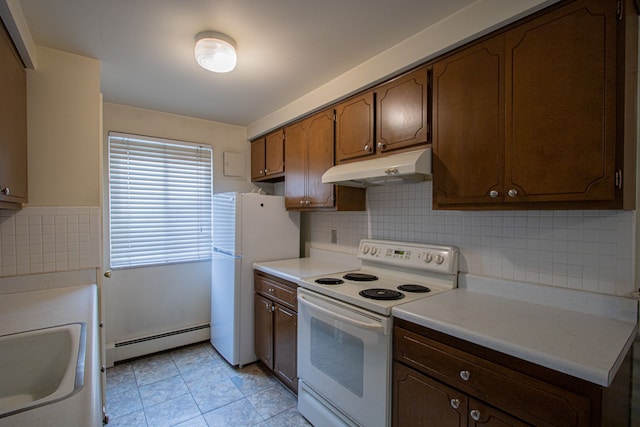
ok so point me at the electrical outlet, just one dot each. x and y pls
(334, 236)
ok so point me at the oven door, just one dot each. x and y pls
(344, 357)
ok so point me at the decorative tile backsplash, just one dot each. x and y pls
(588, 250)
(49, 239)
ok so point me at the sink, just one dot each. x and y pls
(41, 366)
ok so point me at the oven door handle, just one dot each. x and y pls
(370, 326)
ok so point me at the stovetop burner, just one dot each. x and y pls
(381, 294)
(410, 287)
(360, 277)
(329, 281)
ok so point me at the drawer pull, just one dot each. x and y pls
(455, 403)
(475, 414)
(271, 289)
(465, 375)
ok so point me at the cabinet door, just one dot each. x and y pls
(257, 159)
(285, 345)
(401, 112)
(482, 415)
(274, 153)
(295, 153)
(320, 158)
(468, 121)
(560, 105)
(354, 128)
(420, 400)
(263, 329)
(13, 123)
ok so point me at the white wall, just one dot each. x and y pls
(63, 110)
(151, 300)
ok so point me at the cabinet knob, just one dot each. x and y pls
(382, 145)
(512, 193)
(475, 414)
(273, 307)
(493, 193)
(368, 148)
(455, 403)
(266, 170)
(6, 191)
(465, 375)
(270, 289)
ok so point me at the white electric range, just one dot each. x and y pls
(344, 329)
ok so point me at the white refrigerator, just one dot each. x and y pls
(247, 228)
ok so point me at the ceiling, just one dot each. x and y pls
(286, 48)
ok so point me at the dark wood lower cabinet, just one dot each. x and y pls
(276, 323)
(285, 340)
(263, 318)
(422, 401)
(442, 381)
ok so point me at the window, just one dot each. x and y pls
(159, 201)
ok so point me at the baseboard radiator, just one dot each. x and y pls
(123, 350)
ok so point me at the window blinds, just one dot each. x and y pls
(160, 194)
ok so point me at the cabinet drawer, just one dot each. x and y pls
(277, 291)
(523, 396)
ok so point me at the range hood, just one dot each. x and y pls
(412, 166)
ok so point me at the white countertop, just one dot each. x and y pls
(295, 269)
(581, 334)
(25, 311)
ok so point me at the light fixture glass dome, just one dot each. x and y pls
(215, 51)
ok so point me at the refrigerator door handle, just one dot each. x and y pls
(223, 252)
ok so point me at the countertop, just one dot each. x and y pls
(582, 334)
(318, 264)
(25, 311)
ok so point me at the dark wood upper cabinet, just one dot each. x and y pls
(13, 125)
(390, 117)
(561, 105)
(468, 116)
(267, 157)
(534, 117)
(355, 127)
(309, 152)
(402, 116)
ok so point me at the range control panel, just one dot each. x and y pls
(441, 259)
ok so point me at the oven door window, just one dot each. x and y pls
(338, 354)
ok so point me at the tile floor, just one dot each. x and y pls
(194, 386)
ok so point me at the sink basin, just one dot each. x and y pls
(41, 366)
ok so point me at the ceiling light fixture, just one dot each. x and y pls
(215, 51)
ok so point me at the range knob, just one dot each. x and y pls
(374, 251)
(428, 258)
(439, 259)
(365, 249)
